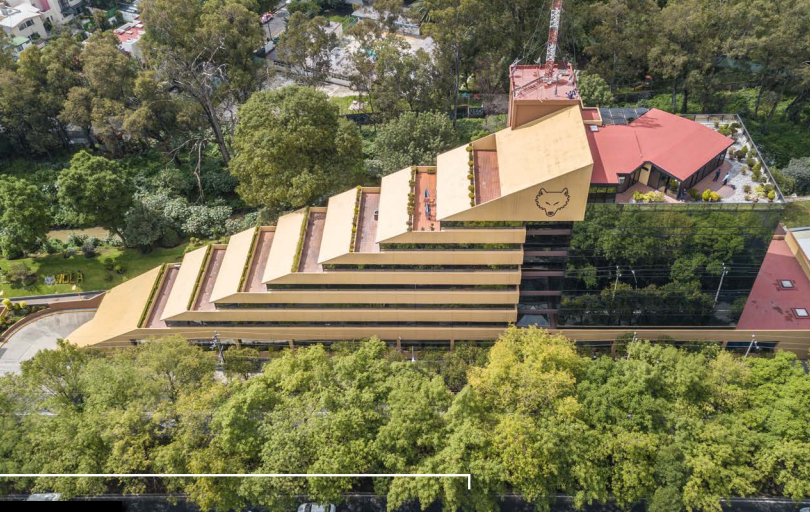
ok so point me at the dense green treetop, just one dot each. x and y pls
(292, 148)
(678, 429)
(24, 217)
(96, 191)
(412, 139)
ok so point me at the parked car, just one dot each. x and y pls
(266, 17)
(314, 507)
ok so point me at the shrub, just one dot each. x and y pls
(799, 170)
(648, 197)
(786, 183)
(113, 241)
(206, 221)
(107, 264)
(76, 239)
(88, 249)
(170, 238)
(17, 272)
(53, 246)
(707, 194)
(693, 193)
(120, 269)
(771, 195)
(747, 188)
(715, 197)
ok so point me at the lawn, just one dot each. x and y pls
(134, 262)
(343, 103)
(797, 214)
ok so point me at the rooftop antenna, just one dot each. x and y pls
(553, 33)
(551, 51)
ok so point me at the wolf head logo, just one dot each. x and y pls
(552, 202)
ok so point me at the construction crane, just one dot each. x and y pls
(553, 33)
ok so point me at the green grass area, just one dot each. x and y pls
(343, 103)
(797, 214)
(135, 263)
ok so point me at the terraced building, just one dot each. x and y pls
(492, 235)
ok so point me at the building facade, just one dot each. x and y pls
(567, 219)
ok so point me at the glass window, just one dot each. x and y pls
(787, 284)
(801, 312)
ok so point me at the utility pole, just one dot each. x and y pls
(635, 337)
(717, 295)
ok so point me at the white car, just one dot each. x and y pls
(314, 507)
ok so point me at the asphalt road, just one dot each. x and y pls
(41, 334)
(365, 503)
(278, 24)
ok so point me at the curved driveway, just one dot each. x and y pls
(41, 334)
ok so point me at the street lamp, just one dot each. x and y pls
(217, 345)
(634, 278)
(616, 284)
(752, 344)
(717, 295)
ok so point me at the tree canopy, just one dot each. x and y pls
(679, 429)
(412, 139)
(24, 217)
(96, 191)
(291, 148)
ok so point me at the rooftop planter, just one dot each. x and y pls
(155, 286)
(355, 220)
(301, 235)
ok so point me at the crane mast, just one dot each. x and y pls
(553, 33)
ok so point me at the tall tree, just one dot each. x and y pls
(618, 51)
(96, 191)
(24, 217)
(205, 50)
(307, 45)
(412, 139)
(292, 148)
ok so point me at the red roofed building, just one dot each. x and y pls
(661, 150)
(780, 298)
(129, 36)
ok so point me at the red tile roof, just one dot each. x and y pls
(770, 306)
(677, 145)
(130, 32)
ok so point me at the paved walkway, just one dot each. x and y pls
(40, 334)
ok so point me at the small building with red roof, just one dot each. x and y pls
(780, 297)
(658, 149)
(129, 37)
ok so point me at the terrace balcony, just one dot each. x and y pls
(312, 243)
(425, 207)
(740, 188)
(367, 220)
(253, 281)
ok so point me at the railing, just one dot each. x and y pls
(753, 145)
